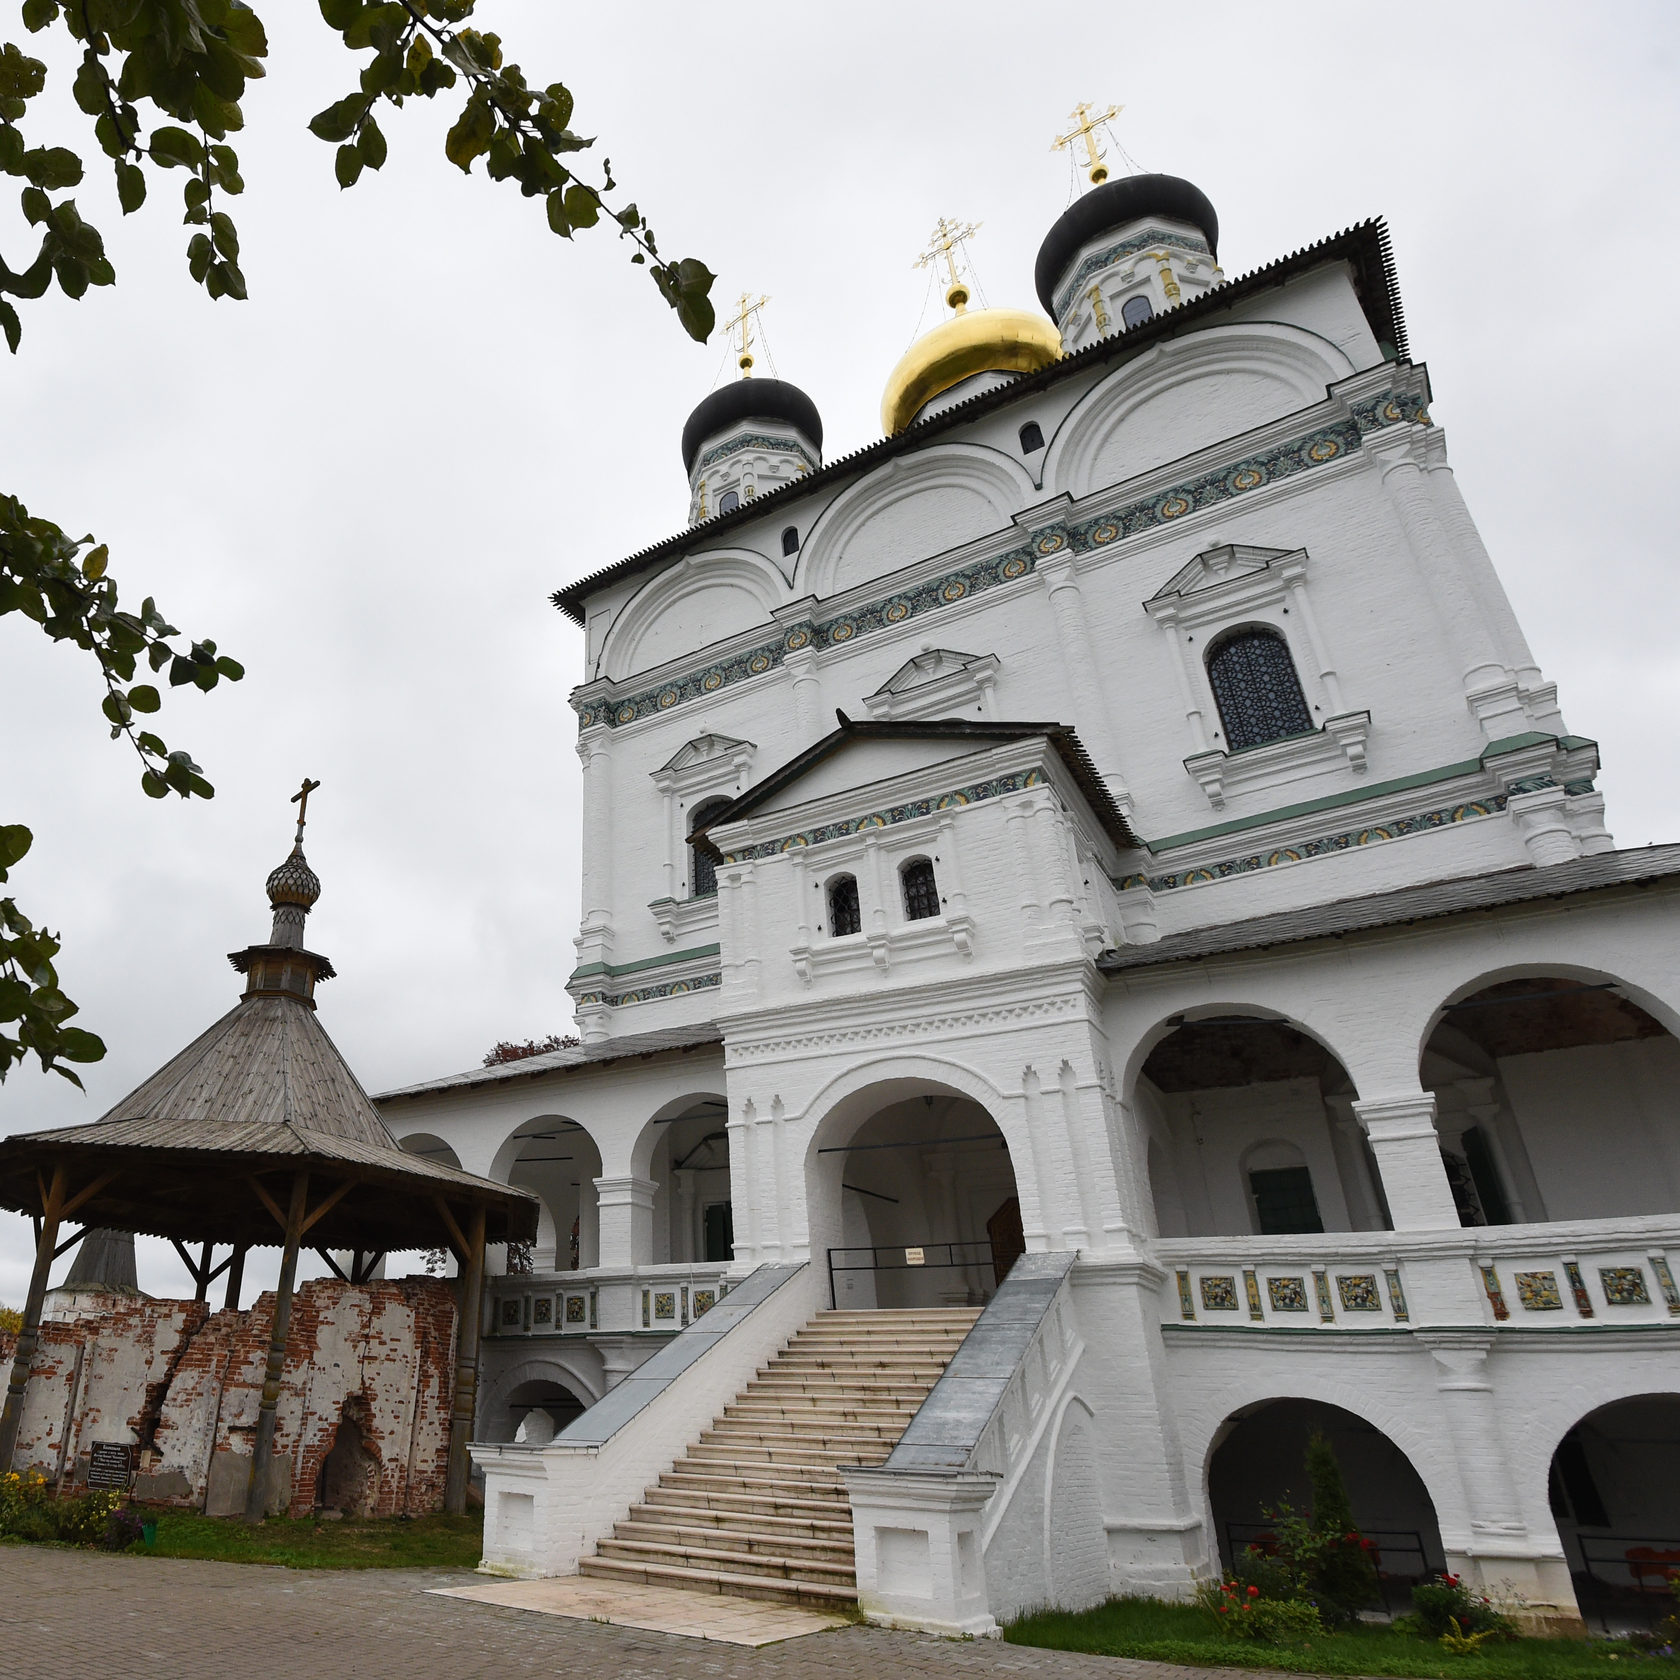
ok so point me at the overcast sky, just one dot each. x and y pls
(365, 481)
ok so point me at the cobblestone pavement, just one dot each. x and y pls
(72, 1615)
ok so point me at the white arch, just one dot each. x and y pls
(568, 1367)
(909, 508)
(1185, 394)
(705, 598)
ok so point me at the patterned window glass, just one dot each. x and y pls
(703, 870)
(1136, 310)
(1259, 695)
(728, 502)
(921, 891)
(844, 914)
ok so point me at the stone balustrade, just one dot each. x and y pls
(529, 1305)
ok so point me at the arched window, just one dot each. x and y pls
(844, 913)
(790, 540)
(1136, 310)
(1253, 679)
(921, 891)
(1032, 438)
(1280, 1183)
(702, 868)
(728, 502)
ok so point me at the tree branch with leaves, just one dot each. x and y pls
(163, 83)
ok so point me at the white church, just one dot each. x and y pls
(1101, 953)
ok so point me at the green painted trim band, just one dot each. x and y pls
(615, 969)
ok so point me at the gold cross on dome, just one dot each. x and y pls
(743, 320)
(1084, 131)
(301, 800)
(942, 248)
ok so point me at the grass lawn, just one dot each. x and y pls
(1181, 1633)
(303, 1543)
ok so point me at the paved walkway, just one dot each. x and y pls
(71, 1615)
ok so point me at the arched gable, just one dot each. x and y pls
(1187, 394)
(703, 599)
(909, 508)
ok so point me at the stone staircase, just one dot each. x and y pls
(757, 1508)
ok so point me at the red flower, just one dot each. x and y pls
(1253, 1592)
(1223, 1611)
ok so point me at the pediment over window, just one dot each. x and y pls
(937, 682)
(1227, 567)
(709, 759)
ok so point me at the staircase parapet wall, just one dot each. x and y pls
(546, 1507)
(928, 1521)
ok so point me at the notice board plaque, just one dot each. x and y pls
(111, 1465)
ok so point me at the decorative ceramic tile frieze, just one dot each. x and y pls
(1288, 1294)
(1396, 1295)
(1323, 846)
(577, 1309)
(1358, 1291)
(1580, 787)
(1578, 1288)
(647, 1309)
(704, 1301)
(542, 1312)
(1099, 260)
(755, 440)
(1665, 1282)
(1314, 449)
(594, 1309)
(1219, 1294)
(645, 994)
(1251, 1288)
(1624, 1286)
(975, 792)
(1495, 1294)
(1186, 1306)
(1321, 1288)
(1539, 1292)
(665, 1304)
(512, 1315)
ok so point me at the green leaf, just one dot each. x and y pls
(338, 121)
(10, 325)
(371, 144)
(37, 14)
(583, 208)
(153, 785)
(557, 215)
(230, 668)
(75, 1045)
(561, 99)
(223, 236)
(473, 131)
(175, 148)
(340, 14)
(95, 562)
(347, 166)
(15, 841)
(145, 698)
(131, 187)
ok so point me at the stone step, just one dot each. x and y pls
(815, 1595)
(800, 1429)
(791, 1549)
(658, 1508)
(701, 1556)
(786, 1501)
(743, 1456)
(810, 1481)
(776, 1413)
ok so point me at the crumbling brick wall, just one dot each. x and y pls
(185, 1385)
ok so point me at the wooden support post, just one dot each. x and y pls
(256, 1497)
(203, 1276)
(466, 1366)
(11, 1420)
(235, 1277)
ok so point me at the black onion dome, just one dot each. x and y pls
(1131, 198)
(294, 882)
(750, 399)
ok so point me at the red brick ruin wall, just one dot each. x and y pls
(369, 1369)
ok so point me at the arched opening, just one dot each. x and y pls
(1259, 1463)
(728, 502)
(1032, 438)
(1615, 1492)
(845, 913)
(533, 1411)
(1136, 310)
(920, 889)
(437, 1262)
(1555, 1100)
(557, 1160)
(1252, 675)
(913, 1200)
(702, 866)
(348, 1481)
(1252, 1132)
(693, 1221)
(790, 540)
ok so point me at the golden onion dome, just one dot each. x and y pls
(972, 341)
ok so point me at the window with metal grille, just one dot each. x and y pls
(844, 914)
(703, 869)
(790, 540)
(921, 891)
(1136, 310)
(1253, 680)
(1284, 1201)
(1032, 438)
